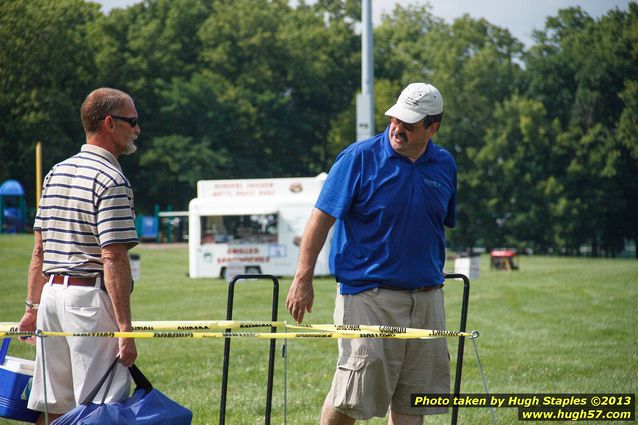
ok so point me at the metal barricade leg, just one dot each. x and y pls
(459, 355)
(271, 357)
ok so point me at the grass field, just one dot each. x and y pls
(558, 325)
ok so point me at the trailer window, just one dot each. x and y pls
(258, 228)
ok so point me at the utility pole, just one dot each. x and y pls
(365, 99)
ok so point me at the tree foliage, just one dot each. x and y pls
(544, 137)
(46, 69)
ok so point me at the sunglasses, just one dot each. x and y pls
(133, 122)
(406, 126)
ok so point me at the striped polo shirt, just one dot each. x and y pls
(86, 204)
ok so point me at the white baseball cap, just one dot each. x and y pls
(417, 101)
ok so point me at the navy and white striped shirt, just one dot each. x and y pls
(86, 204)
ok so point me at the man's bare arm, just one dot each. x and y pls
(35, 284)
(117, 278)
(301, 294)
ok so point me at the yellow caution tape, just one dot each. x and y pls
(380, 329)
(260, 335)
(184, 329)
(263, 335)
(201, 325)
(180, 325)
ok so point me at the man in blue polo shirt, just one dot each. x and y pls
(390, 196)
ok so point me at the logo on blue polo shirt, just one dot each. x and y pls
(431, 182)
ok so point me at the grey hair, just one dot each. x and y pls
(99, 104)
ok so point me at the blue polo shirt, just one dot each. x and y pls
(390, 215)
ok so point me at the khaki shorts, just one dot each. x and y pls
(374, 374)
(74, 365)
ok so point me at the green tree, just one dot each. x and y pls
(628, 140)
(550, 72)
(176, 176)
(285, 73)
(512, 173)
(40, 94)
(582, 71)
(545, 140)
(250, 85)
(152, 50)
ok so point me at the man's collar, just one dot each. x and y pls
(103, 153)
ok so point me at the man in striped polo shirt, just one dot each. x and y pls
(79, 278)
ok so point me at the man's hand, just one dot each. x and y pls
(300, 298)
(28, 324)
(127, 351)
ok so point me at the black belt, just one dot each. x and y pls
(421, 289)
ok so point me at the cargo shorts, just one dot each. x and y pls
(376, 374)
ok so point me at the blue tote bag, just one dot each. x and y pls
(146, 406)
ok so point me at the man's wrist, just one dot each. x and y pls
(304, 276)
(30, 305)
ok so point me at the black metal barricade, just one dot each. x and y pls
(271, 358)
(462, 328)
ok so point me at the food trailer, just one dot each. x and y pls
(251, 226)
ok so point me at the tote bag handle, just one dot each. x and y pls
(140, 380)
(110, 372)
(138, 377)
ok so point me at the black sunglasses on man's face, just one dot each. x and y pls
(133, 122)
(407, 126)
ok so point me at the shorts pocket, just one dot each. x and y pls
(348, 383)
